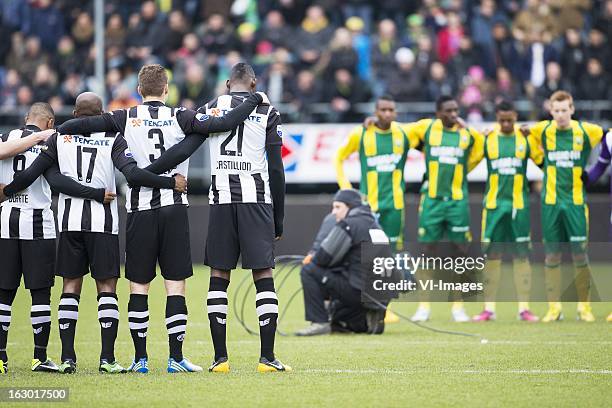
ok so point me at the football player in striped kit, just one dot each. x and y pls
(27, 232)
(157, 222)
(89, 230)
(247, 193)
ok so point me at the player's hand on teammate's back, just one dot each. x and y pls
(180, 183)
(369, 121)
(109, 197)
(43, 135)
(525, 130)
(462, 123)
(2, 196)
(265, 100)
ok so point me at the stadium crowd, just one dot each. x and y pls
(338, 52)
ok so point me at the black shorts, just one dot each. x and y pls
(240, 229)
(159, 235)
(79, 253)
(34, 259)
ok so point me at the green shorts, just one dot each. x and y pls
(392, 222)
(565, 222)
(508, 226)
(439, 218)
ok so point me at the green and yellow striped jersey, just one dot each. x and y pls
(449, 155)
(564, 154)
(382, 155)
(507, 157)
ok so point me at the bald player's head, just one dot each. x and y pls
(41, 114)
(87, 104)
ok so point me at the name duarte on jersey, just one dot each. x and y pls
(233, 165)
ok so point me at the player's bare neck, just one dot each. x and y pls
(153, 99)
(239, 88)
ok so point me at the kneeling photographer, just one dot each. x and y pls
(333, 274)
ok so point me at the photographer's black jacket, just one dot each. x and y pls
(342, 246)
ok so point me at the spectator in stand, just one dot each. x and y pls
(555, 81)
(358, 8)
(123, 99)
(83, 33)
(307, 92)
(506, 88)
(173, 39)
(339, 55)
(439, 82)
(275, 30)
(504, 45)
(361, 45)
(449, 38)
(277, 81)
(465, 58)
(71, 88)
(27, 62)
(115, 33)
(44, 84)
(312, 37)
(245, 41)
(25, 97)
(195, 87)
(217, 35)
(599, 47)
(406, 81)
(45, 21)
(345, 92)
(476, 91)
(603, 20)
(425, 54)
(8, 92)
(145, 33)
(384, 46)
(482, 34)
(595, 82)
(535, 13)
(65, 59)
(540, 54)
(191, 53)
(573, 55)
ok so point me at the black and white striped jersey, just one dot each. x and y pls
(27, 214)
(239, 167)
(150, 130)
(91, 161)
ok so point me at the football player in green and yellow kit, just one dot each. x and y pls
(451, 152)
(506, 224)
(564, 146)
(383, 147)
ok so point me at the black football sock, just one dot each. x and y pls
(40, 315)
(138, 318)
(6, 301)
(108, 316)
(267, 313)
(176, 324)
(216, 305)
(67, 315)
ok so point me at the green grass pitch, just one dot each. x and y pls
(561, 364)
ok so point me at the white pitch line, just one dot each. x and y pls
(478, 372)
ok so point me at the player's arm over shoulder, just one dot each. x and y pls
(477, 149)
(350, 146)
(594, 132)
(415, 131)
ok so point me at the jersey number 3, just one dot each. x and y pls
(157, 133)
